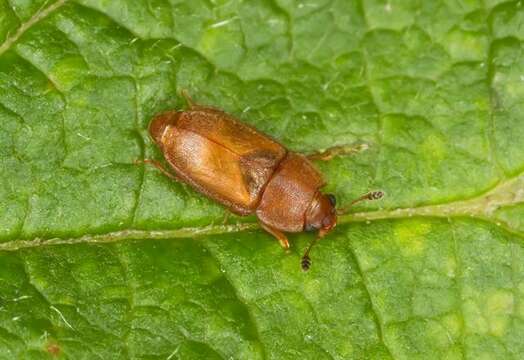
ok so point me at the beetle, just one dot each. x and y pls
(247, 171)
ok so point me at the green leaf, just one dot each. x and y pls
(104, 259)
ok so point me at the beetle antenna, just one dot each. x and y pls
(306, 260)
(373, 195)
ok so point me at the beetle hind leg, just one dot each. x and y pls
(279, 235)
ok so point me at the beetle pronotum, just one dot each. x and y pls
(247, 171)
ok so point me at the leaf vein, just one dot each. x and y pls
(243, 301)
(373, 310)
(41, 14)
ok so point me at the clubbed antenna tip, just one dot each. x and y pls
(375, 195)
(306, 262)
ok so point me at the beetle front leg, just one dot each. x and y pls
(279, 235)
(338, 150)
(159, 166)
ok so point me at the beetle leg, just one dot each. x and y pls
(159, 166)
(226, 218)
(338, 150)
(188, 99)
(279, 235)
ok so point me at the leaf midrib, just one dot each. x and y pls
(482, 207)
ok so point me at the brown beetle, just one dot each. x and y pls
(246, 171)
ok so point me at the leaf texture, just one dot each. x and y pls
(101, 258)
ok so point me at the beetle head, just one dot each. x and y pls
(322, 214)
(158, 125)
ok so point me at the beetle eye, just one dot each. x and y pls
(332, 199)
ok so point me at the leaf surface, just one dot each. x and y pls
(102, 258)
